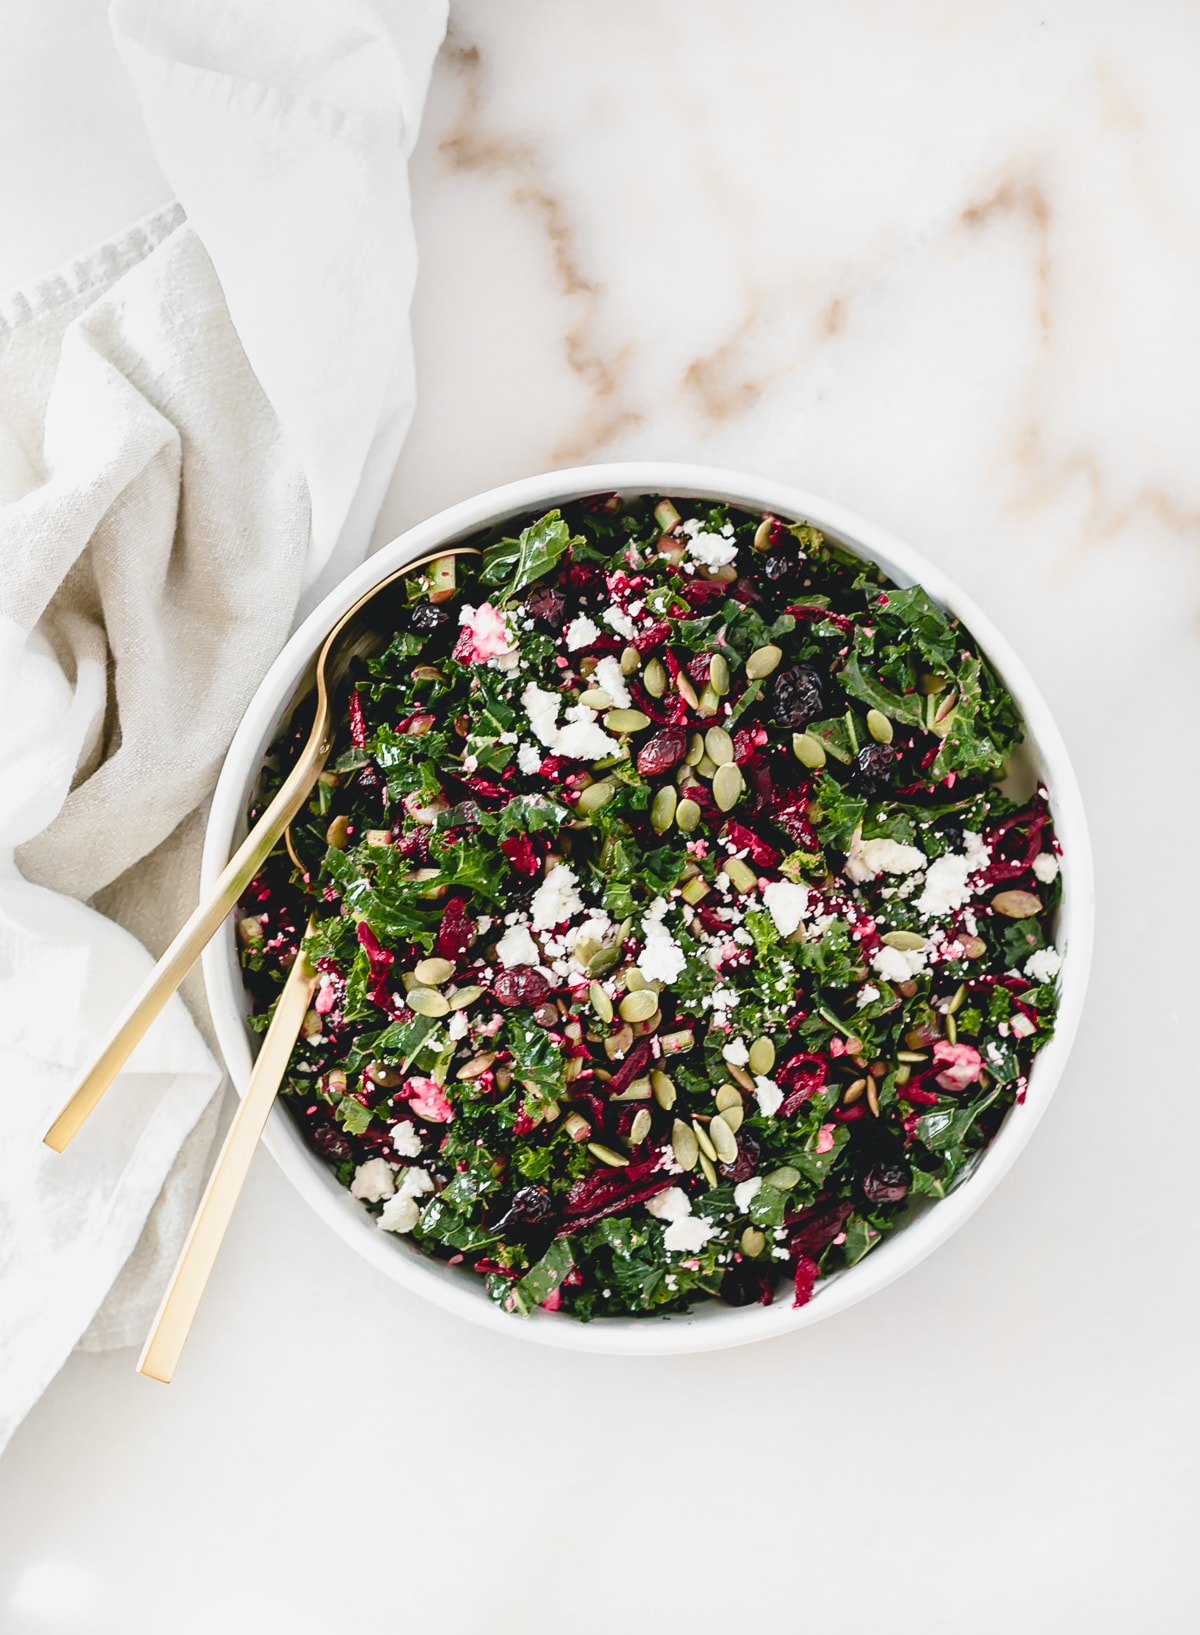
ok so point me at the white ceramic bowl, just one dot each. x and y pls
(712, 1325)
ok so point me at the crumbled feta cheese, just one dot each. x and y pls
(671, 1205)
(581, 738)
(946, 881)
(900, 964)
(581, 632)
(405, 1139)
(1044, 965)
(456, 1025)
(745, 1192)
(689, 1235)
(770, 1096)
(402, 1212)
(517, 947)
(736, 1052)
(529, 759)
(661, 958)
(867, 994)
(787, 904)
(485, 635)
(869, 858)
(607, 674)
(373, 1181)
(712, 550)
(556, 899)
(619, 621)
(1045, 866)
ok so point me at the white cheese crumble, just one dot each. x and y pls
(869, 858)
(1043, 966)
(517, 947)
(581, 632)
(619, 621)
(899, 964)
(556, 899)
(736, 1052)
(685, 1233)
(373, 1181)
(456, 1025)
(745, 1192)
(712, 550)
(1045, 866)
(406, 1140)
(661, 958)
(607, 674)
(787, 904)
(671, 1205)
(770, 1096)
(402, 1212)
(946, 881)
(581, 738)
(529, 760)
(867, 994)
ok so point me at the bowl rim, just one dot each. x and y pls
(711, 1326)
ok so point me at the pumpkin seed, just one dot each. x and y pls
(782, 1179)
(854, 1092)
(684, 1144)
(687, 815)
(626, 721)
(740, 872)
(734, 1116)
(639, 1006)
(662, 810)
(912, 1056)
(664, 1089)
(603, 960)
(951, 1030)
(338, 832)
(685, 690)
(873, 1097)
(606, 1155)
(630, 659)
(903, 1074)
(1016, 905)
(960, 993)
(595, 797)
(597, 699)
(808, 750)
(695, 749)
(385, 1075)
(753, 1243)
(728, 786)
(462, 997)
(762, 1055)
(723, 1139)
(708, 1169)
(705, 767)
(718, 746)
(619, 1042)
(655, 679)
(702, 1138)
(427, 1002)
(431, 973)
(477, 1065)
(763, 661)
(600, 1002)
(906, 941)
(633, 980)
(640, 1128)
(972, 947)
(728, 1095)
(718, 674)
(879, 727)
(740, 1076)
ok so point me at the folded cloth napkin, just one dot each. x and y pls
(197, 423)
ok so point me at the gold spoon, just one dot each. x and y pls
(352, 637)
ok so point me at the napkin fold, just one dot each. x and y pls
(197, 424)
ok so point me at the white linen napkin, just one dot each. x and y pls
(197, 423)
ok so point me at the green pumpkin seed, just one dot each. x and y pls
(723, 1139)
(1016, 905)
(728, 1095)
(740, 872)
(686, 691)
(703, 1140)
(662, 809)
(960, 993)
(639, 1006)
(718, 674)
(606, 1155)
(603, 961)
(854, 1092)
(600, 1002)
(753, 1243)
(634, 980)
(763, 661)
(595, 797)
(728, 786)
(782, 1179)
(462, 997)
(630, 659)
(808, 750)
(427, 1002)
(734, 1116)
(952, 1030)
(687, 815)
(477, 1065)
(337, 833)
(762, 1055)
(740, 1076)
(763, 533)
(879, 726)
(684, 1144)
(718, 746)
(619, 1042)
(695, 749)
(655, 679)
(626, 721)
(640, 1128)
(596, 699)
(664, 1089)
(906, 941)
(705, 768)
(431, 973)
(708, 1169)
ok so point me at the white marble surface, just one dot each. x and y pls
(941, 262)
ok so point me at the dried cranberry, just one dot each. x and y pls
(457, 930)
(330, 1143)
(872, 771)
(776, 568)
(744, 1166)
(665, 750)
(529, 1206)
(886, 1182)
(426, 617)
(546, 606)
(747, 1282)
(524, 985)
(797, 696)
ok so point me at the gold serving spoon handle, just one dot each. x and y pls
(172, 1324)
(352, 637)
